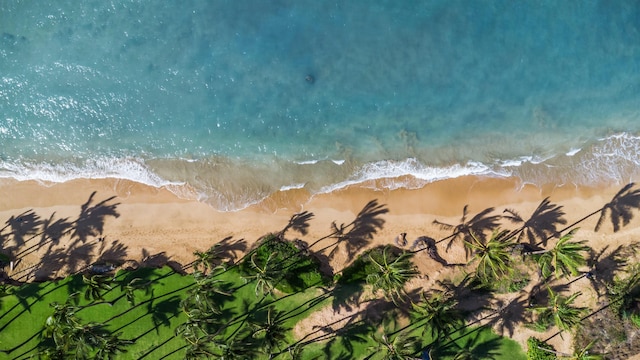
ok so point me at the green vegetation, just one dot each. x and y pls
(540, 350)
(55, 308)
(237, 303)
(288, 269)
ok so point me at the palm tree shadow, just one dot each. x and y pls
(511, 314)
(91, 220)
(347, 296)
(470, 293)
(539, 294)
(466, 229)
(364, 227)
(116, 253)
(51, 263)
(23, 225)
(163, 311)
(229, 249)
(620, 208)
(603, 268)
(159, 260)
(473, 347)
(298, 222)
(541, 225)
(79, 257)
(348, 334)
(75, 285)
(50, 234)
(52, 231)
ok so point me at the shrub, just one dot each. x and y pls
(534, 351)
(293, 270)
(362, 266)
(510, 284)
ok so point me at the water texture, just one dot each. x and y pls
(234, 100)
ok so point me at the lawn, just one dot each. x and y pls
(152, 321)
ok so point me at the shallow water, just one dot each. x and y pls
(216, 95)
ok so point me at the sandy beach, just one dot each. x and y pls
(153, 220)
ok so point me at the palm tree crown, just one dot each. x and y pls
(391, 274)
(493, 256)
(564, 258)
(560, 311)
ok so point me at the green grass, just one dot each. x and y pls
(152, 321)
(482, 342)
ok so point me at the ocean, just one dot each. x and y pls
(229, 102)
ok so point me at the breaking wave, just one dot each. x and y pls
(230, 185)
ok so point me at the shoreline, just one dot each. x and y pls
(142, 208)
(153, 221)
(443, 199)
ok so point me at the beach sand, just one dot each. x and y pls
(154, 221)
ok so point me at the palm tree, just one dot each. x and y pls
(439, 311)
(564, 258)
(620, 207)
(391, 274)
(476, 225)
(69, 335)
(200, 301)
(94, 286)
(578, 353)
(560, 311)
(134, 285)
(541, 225)
(624, 292)
(204, 259)
(199, 349)
(264, 275)
(401, 347)
(234, 348)
(218, 255)
(583, 353)
(493, 256)
(110, 346)
(59, 325)
(271, 332)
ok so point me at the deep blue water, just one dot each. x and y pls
(239, 99)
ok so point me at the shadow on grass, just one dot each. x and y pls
(468, 346)
(31, 290)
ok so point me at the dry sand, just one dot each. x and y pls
(153, 221)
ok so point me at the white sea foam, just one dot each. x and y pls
(313, 162)
(412, 167)
(99, 168)
(307, 162)
(292, 187)
(614, 159)
(573, 151)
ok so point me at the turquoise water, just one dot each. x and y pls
(230, 101)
